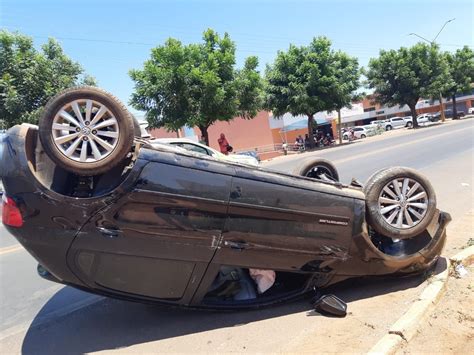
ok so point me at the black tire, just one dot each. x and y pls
(388, 128)
(136, 128)
(316, 167)
(122, 141)
(409, 125)
(345, 137)
(373, 191)
(362, 136)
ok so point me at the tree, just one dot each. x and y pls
(196, 84)
(29, 78)
(348, 74)
(309, 79)
(461, 72)
(405, 75)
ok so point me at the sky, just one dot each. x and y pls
(108, 38)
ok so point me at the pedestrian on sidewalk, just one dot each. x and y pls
(224, 145)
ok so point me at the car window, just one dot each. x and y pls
(397, 119)
(358, 129)
(192, 147)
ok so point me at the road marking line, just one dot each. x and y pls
(392, 147)
(10, 249)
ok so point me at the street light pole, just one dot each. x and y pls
(441, 107)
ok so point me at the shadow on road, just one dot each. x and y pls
(113, 324)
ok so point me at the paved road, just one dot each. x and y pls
(37, 316)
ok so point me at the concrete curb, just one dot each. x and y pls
(406, 326)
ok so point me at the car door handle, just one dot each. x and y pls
(111, 233)
(236, 245)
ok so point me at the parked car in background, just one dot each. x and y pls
(448, 113)
(398, 122)
(193, 146)
(470, 111)
(359, 132)
(251, 153)
(424, 118)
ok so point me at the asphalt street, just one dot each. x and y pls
(37, 316)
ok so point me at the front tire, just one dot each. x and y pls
(400, 202)
(86, 130)
(318, 169)
(388, 128)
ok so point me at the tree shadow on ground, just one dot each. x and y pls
(113, 324)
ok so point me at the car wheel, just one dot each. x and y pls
(345, 137)
(409, 124)
(363, 136)
(86, 130)
(317, 168)
(388, 128)
(400, 202)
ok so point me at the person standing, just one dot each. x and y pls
(224, 145)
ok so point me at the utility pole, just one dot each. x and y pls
(441, 106)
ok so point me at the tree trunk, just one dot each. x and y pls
(339, 129)
(441, 108)
(310, 131)
(455, 109)
(413, 114)
(204, 134)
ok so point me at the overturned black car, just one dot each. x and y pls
(105, 211)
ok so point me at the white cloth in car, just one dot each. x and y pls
(263, 278)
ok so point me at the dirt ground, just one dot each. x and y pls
(449, 329)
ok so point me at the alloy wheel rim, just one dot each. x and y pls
(403, 203)
(85, 131)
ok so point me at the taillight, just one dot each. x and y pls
(11, 215)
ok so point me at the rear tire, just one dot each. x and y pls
(362, 136)
(409, 124)
(388, 128)
(400, 202)
(86, 130)
(316, 167)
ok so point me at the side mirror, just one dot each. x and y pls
(331, 305)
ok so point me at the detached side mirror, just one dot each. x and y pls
(331, 305)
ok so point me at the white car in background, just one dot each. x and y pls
(196, 147)
(398, 122)
(359, 132)
(424, 118)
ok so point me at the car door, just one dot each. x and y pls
(284, 223)
(156, 240)
(398, 122)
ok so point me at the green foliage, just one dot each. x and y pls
(196, 84)
(29, 78)
(461, 71)
(309, 79)
(405, 75)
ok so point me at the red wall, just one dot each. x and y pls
(163, 133)
(242, 134)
